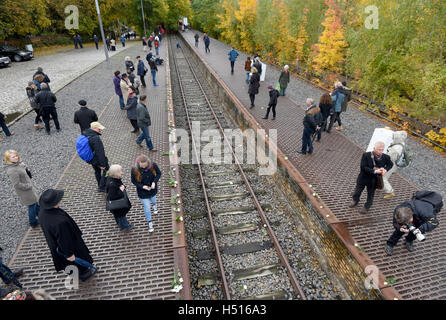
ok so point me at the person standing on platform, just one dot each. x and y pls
(132, 102)
(144, 122)
(99, 162)
(258, 65)
(144, 44)
(153, 70)
(75, 41)
(149, 42)
(197, 37)
(233, 54)
(325, 104)
(141, 71)
(207, 41)
(129, 64)
(125, 84)
(47, 101)
(20, 178)
(63, 236)
(118, 91)
(254, 85)
(79, 40)
(338, 98)
(372, 164)
(310, 127)
(113, 45)
(273, 94)
(46, 79)
(248, 65)
(4, 126)
(156, 43)
(395, 151)
(108, 43)
(284, 79)
(123, 41)
(84, 116)
(31, 91)
(115, 191)
(145, 177)
(96, 41)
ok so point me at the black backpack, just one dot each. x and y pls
(431, 197)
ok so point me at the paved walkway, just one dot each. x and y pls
(332, 171)
(61, 68)
(133, 265)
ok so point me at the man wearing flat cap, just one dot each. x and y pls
(84, 116)
(63, 236)
(99, 161)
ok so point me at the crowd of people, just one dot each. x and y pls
(63, 236)
(412, 218)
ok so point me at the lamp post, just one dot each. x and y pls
(102, 35)
(143, 21)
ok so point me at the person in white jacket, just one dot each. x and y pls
(395, 151)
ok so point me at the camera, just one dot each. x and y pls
(416, 232)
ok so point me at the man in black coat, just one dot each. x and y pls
(420, 214)
(372, 164)
(84, 116)
(47, 102)
(273, 94)
(96, 41)
(99, 161)
(63, 236)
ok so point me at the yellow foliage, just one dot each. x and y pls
(329, 52)
(439, 138)
(228, 22)
(246, 15)
(302, 38)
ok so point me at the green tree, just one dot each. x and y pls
(177, 10)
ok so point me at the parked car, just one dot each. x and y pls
(15, 54)
(4, 61)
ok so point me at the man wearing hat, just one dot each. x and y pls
(99, 161)
(63, 236)
(84, 116)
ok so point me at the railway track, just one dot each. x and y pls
(228, 196)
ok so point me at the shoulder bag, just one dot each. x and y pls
(122, 203)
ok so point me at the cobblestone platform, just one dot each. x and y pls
(132, 265)
(332, 171)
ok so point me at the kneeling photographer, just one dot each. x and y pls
(414, 218)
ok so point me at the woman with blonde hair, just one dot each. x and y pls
(20, 178)
(115, 190)
(145, 177)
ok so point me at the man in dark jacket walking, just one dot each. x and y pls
(372, 164)
(196, 36)
(118, 91)
(421, 214)
(273, 94)
(254, 85)
(63, 236)
(132, 102)
(143, 121)
(141, 71)
(47, 102)
(99, 161)
(233, 54)
(84, 116)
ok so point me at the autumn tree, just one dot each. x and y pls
(228, 23)
(246, 16)
(177, 10)
(329, 52)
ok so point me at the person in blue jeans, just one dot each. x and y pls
(153, 69)
(310, 127)
(118, 91)
(143, 121)
(145, 177)
(233, 54)
(20, 178)
(4, 126)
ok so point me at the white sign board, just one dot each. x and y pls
(381, 134)
(263, 75)
(185, 21)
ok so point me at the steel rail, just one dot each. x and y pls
(209, 211)
(262, 215)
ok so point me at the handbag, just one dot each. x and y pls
(379, 177)
(28, 173)
(122, 203)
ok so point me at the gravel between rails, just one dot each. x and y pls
(304, 259)
(47, 156)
